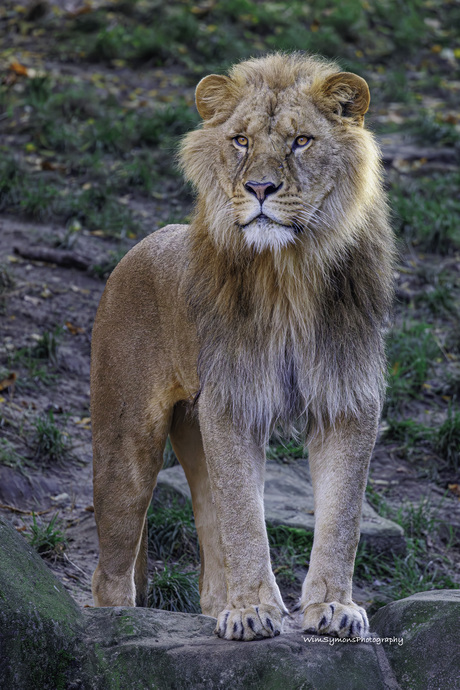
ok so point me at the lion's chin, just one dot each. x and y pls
(264, 233)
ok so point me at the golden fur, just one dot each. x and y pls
(267, 311)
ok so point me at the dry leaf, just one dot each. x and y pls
(17, 68)
(455, 488)
(9, 381)
(74, 330)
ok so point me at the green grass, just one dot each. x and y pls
(290, 549)
(174, 590)
(172, 532)
(410, 351)
(400, 576)
(10, 457)
(47, 538)
(430, 130)
(408, 432)
(448, 439)
(291, 449)
(36, 359)
(426, 212)
(189, 35)
(49, 442)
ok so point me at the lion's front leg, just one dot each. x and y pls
(339, 461)
(236, 467)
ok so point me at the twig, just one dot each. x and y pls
(13, 509)
(54, 256)
(75, 565)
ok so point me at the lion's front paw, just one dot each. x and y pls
(251, 623)
(340, 620)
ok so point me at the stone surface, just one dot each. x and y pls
(289, 501)
(48, 643)
(144, 648)
(40, 624)
(429, 625)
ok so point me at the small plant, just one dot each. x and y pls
(172, 532)
(426, 212)
(47, 345)
(439, 300)
(400, 576)
(290, 549)
(9, 456)
(414, 437)
(49, 441)
(377, 501)
(410, 351)
(174, 590)
(47, 539)
(448, 439)
(289, 448)
(7, 281)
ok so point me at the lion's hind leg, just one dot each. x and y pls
(126, 464)
(187, 443)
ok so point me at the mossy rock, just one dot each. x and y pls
(48, 643)
(40, 624)
(428, 625)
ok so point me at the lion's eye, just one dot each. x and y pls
(241, 141)
(302, 141)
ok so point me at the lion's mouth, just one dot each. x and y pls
(263, 219)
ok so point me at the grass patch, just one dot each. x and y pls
(448, 439)
(400, 576)
(10, 457)
(426, 212)
(174, 590)
(172, 532)
(290, 549)
(292, 449)
(410, 351)
(429, 128)
(49, 441)
(47, 538)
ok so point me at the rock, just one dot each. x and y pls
(145, 648)
(428, 624)
(48, 643)
(289, 501)
(40, 624)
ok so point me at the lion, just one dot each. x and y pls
(266, 313)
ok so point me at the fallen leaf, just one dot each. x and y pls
(9, 381)
(455, 488)
(81, 10)
(17, 68)
(74, 330)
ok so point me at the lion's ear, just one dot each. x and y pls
(210, 93)
(348, 95)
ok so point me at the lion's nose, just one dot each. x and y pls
(261, 189)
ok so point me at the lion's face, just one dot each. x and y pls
(280, 161)
(280, 156)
